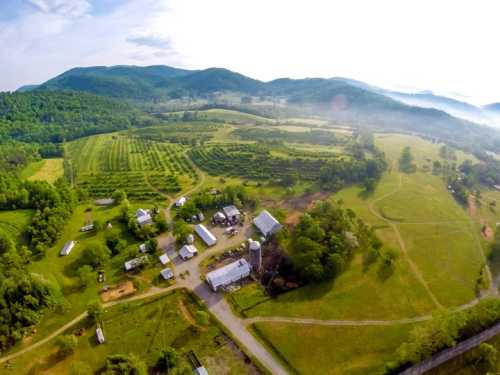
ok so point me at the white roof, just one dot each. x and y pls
(100, 335)
(231, 211)
(190, 239)
(143, 216)
(133, 263)
(68, 246)
(167, 273)
(266, 223)
(143, 248)
(201, 371)
(205, 234)
(220, 215)
(253, 245)
(180, 202)
(164, 259)
(229, 274)
(188, 251)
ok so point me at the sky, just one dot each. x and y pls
(449, 47)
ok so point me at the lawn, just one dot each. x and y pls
(44, 170)
(15, 223)
(143, 328)
(313, 349)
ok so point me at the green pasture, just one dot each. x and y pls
(15, 222)
(44, 170)
(314, 349)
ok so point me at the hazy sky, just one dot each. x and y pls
(450, 47)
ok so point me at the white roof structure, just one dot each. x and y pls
(180, 202)
(228, 274)
(166, 273)
(219, 216)
(190, 239)
(100, 335)
(143, 248)
(164, 259)
(253, 245)
(188, 251)
(266, 223)
(205, 235)
(68, 246)
(201, 371)
(143, 216)
(134, 263)
(87, 228)
(104, 201)
(231, 211)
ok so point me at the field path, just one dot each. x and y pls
(414, 268)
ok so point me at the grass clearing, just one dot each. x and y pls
(143, 328)
(15, 223)
(44, 170)
(313, 349)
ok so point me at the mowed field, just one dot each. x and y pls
(15, 222)
(145, 169)
(441, 252)
(44, 170)
(143, 328)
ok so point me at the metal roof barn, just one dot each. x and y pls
(266, 223)
(167, 273)
(205, 235)
(188, 251)
(68, 246)
(143, 217)
(228, 274)
(231, 211)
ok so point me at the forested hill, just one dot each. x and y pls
(51, 117)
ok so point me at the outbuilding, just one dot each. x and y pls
(167, 273)
(180, 202)
(232, 213)
(266, 223)
(143, 248)
(87, 228)
(201, 371)
(228, 274)
(143, 217)
(164, 259)
(188, 251)
(205, 235)
(219, 217)
(68, 246)
(134, 263)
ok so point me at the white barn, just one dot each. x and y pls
(188, 251)
(68, 246)
(205, 235)
(232, 212)
(266, 223)
(228, 274)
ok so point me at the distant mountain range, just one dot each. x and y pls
(338, 99)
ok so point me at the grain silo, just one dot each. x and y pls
(255, 251)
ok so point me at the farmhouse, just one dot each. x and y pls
(232, 213)
(143, 217)
(187, 252)
(266, 223)
(180, 202)
(68, 246)
(100, 335)
(166, 273)
(205, 235)
(228, 274)
(87, 228)
(164, 259)
(134, 263)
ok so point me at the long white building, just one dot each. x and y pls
(205, 234)
(228, 274)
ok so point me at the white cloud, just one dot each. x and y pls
(68, 8)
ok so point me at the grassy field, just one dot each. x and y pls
(312, 349)
(15, 223)
(44, 170)
(144, 168)
(143, 328)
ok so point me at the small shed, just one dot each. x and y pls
(200, 371)
(190, 239)
(180, 202)
(219, 217)
(228, 274)
(87, 228)
(205, 235)
(143, 248)
(266, 223)
(188, 251)
(68, 246)
(201, 217)
(164, 259)
(167, 273)
(100, 335)
(232, 213)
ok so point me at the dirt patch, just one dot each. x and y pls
(471, 205)
(298, 205)
(487, 233)
(120, 291)
(186, 313)
(88, 216)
